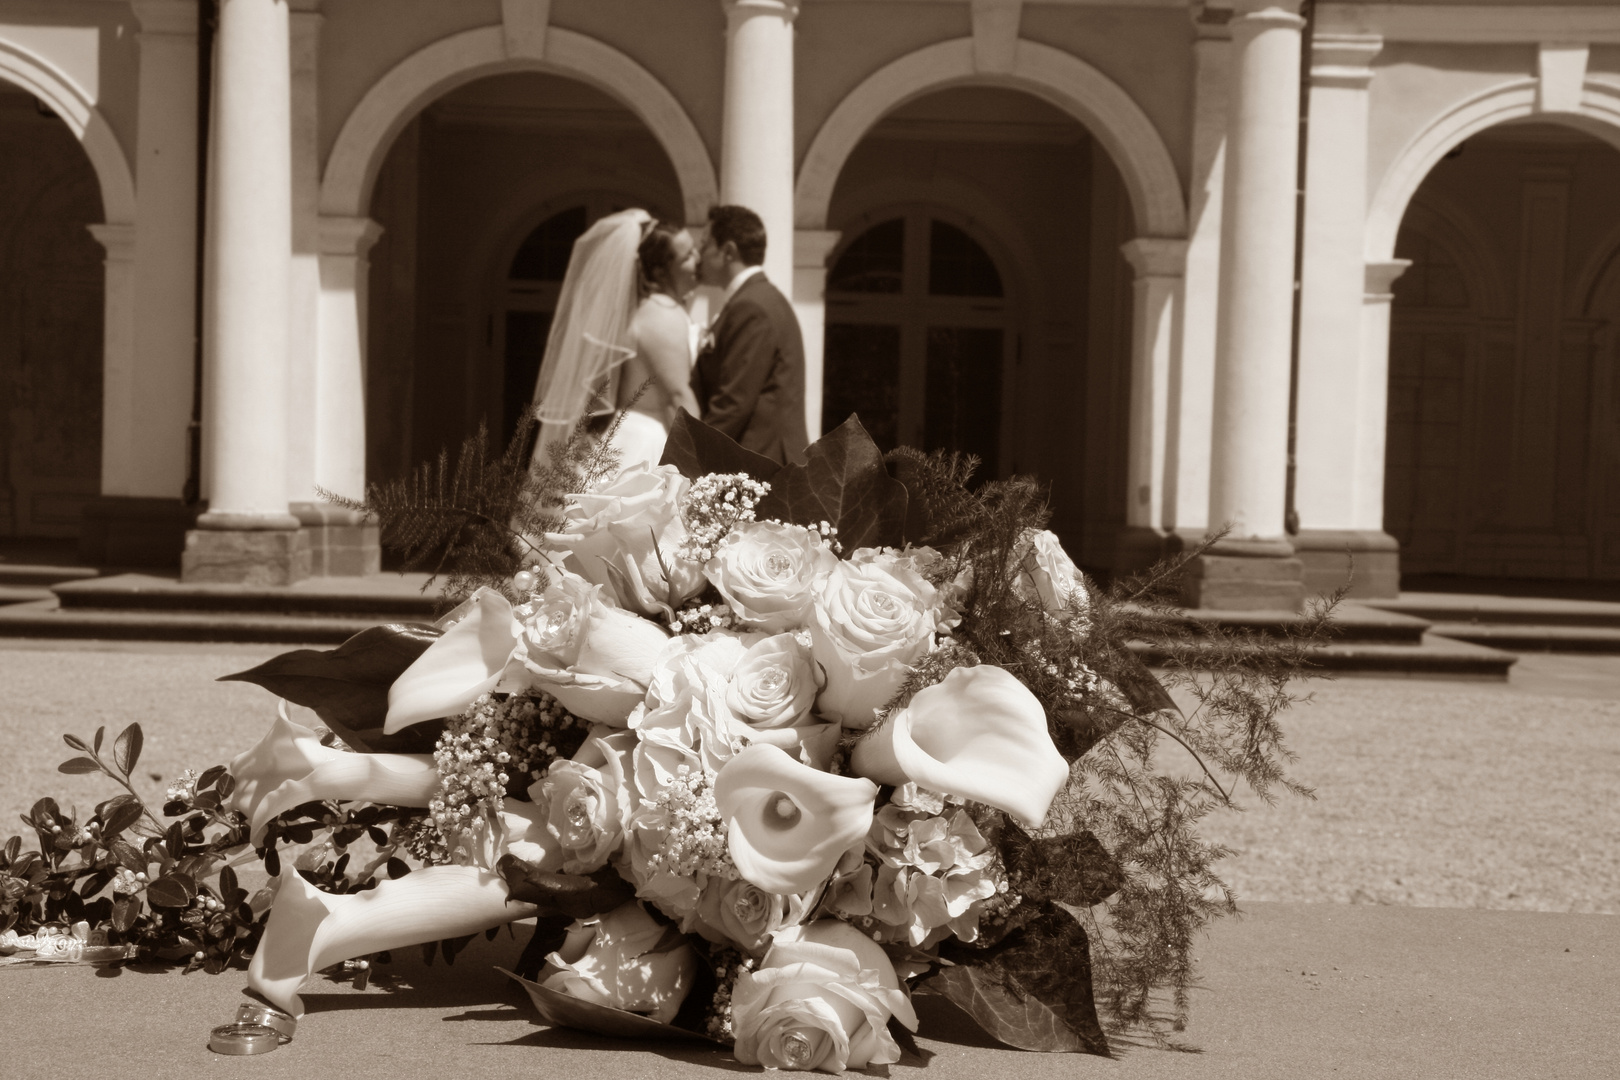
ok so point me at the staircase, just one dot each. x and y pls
(1527, 624)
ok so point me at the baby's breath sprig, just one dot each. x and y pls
(694, 834)
(703, 617)
(729, 964)
(713, 506)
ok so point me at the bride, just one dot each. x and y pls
(621, 340)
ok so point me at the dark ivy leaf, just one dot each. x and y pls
(125, 910)
(697, 449)
(209, 777)
(119, 814)
(1032, 990)
(129, 856)
(1139, 685)
(348, 686)
(79, 765)
(228, 887)
(574, 895)
(75, 743)
(101, 733)
(397, 867)
(843, 481)
(1075, 869)
(225, 785)
(174, 841)
(127, 749)
(272, 861)
(172, 891)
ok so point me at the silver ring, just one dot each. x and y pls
(243, 1040)
(262, 1015)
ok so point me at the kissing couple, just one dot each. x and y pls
(622, 340)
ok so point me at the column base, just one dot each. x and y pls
(342, 543)
(1245, 575)
(1370, 559)
(244, 549)
(1139, 547)
(121, 530)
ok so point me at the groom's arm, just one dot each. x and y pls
(746, 356)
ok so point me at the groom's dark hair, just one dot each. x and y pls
(740, 226)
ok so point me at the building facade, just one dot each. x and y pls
(1344, 279)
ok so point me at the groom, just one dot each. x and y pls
(749, 377)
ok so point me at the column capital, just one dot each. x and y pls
(811, 247)
(1380, 279)
(739, 9)
(1344, 60)
(1156, 257)
(352, 236)
(1258, 14)
(166, 16)
(117, 240)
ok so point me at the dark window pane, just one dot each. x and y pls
(544, 255)
(963, 407)
(874, 263)
(525, 347)
(957, 265)
(862, 376)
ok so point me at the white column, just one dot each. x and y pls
(1253, 344)
(811, 247)
(339, 427)
(250, 247)
(121, 393)
(1379, 282)
(1334, 412)
(304, 281)
(756, 142)
(1155, 332)
(1187, 507)
(144, 445)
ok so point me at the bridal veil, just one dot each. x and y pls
(590, 330)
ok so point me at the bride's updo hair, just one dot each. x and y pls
(657, 258)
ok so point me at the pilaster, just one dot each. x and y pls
(811, 250)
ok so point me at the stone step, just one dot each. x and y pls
(20, 594)
(48, 619)
(42, 575)
(1478, 608)
(1355, 623)
(1534, 637)
(1434, 657)
(384, 596)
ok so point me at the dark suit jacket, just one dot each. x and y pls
(750, 383)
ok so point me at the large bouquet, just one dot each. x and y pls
(763, 751)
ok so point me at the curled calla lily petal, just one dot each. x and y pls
(395, 779)
(787, 824)
(465, 661)
(309, 930)
(288, 751)
(980, 734)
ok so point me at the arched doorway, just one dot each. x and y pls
(51, 308)
(919, 337)
(480, 199)
(1503, 443)
(979, 300)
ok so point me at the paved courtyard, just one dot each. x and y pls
(1429, 793)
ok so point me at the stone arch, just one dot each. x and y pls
(1069, 83)
(419, 79)
(1461, 238)
(1599, 116)
(77, 109)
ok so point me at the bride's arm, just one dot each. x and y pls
(664, 342)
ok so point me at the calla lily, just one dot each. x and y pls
(787, 824)
(309, 929)
(463, 663)
(288, 751)
(290, 767)
(980, 735)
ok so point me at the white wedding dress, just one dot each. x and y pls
(643, 423)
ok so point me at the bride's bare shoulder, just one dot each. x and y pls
(660, 319)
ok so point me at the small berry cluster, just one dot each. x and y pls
(694, 834)
(713, 506)
(729, 964)
(498, 742)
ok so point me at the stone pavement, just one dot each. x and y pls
(1292, 991)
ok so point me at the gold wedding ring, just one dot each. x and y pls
(262, 1015)
(244, 1040)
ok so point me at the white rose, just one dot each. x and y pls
(625, 537)
(594, 658)
(588, 801)
(767, 572)
(821, 999)
(980, 734)
(622, 960)
(1048, 576)
(741, 914)
(875, 615)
